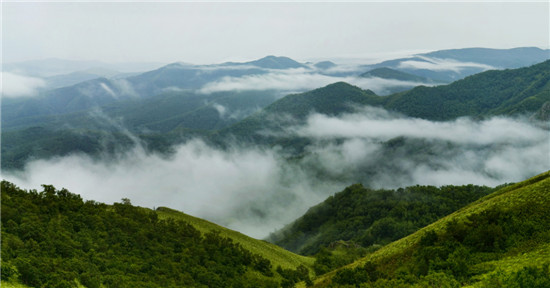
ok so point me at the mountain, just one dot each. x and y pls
(406, 82)
(171, 115)
(501, 239)
(79, 97)
(270, 62)
(455, 64)
(53, 237)
(334, 99)
(325, 65)
(156, 122)
(76, 77)
(496, 92)
(373, 217)
(521, 91)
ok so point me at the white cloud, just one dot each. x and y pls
(437, 64)
(221, 109)
(256, 190)
(378, 124)
(463, 151)
(14, 85)
(107, 89)
(228, 187)
(300, 80)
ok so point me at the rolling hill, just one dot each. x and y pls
(500, 239)
(53, 238)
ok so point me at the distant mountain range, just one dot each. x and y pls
(507, 92)
(167, 103)
(455, 64)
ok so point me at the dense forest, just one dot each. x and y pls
(368, 217)
(53, 238)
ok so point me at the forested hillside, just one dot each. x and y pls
(501, 240)
(506, 92)
(373, 217)
(53, 238)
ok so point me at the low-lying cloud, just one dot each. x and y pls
(301, 80)
(14, 85)
(378, 124)
(245, 189)
(391, 151)
(438, 64)
(256, 190)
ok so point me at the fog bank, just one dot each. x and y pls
(257, 190)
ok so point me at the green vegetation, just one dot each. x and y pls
(334, 99)
(277, 255)
(53, 238)
(373, 217)
(501, 240)
(504, 92)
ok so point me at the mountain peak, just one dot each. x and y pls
(276, 62)
(324, 64)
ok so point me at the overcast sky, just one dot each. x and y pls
(203, 33)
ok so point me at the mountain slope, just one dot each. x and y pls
(334, 99)
(158, 121)
(55, 239)
(488, 241)
(485, 94)
(277, 255)
(373, 217)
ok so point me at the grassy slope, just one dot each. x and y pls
(275, 254)
(532, 192)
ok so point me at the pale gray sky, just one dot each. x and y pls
(215, 32)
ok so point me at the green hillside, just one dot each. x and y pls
(277, 255)
(53, 238)
(496, 92)
(501, 240)
(373, 217)
(334, 99)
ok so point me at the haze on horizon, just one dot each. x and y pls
(204, 33)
